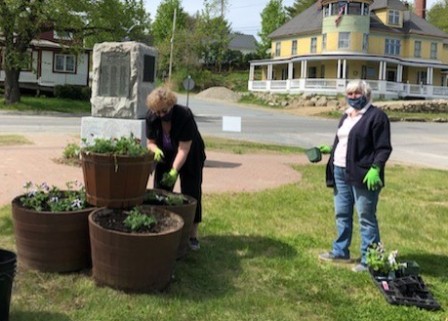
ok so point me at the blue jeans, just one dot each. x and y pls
(346, 197)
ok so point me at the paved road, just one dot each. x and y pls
(414, 143)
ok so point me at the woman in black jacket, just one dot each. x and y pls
(178, 148)
(356, 171)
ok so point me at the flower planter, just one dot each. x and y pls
(133, 262)
(7, 271)
(51, 241)
(116, 181)
(187, 210)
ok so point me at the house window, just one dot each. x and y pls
(422, 77)
(394, 17)
(363, 72)
(344, 40)
(327, 10)
(365, 10)
(313, 48)
(277, 49)
(322, 71)
(324, 41)
(294, 47)
(433, 50)
(417, 48)
(365, 42)
(392, 47)
(354, 8)
(312, 72)
(64, 63)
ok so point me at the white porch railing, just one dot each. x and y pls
(388, 89)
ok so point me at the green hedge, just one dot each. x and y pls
(73, 92)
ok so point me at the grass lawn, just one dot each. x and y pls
(258, 260)
(48, 104)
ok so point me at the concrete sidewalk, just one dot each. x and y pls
(224, 172)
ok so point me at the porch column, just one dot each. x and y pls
(304, 66)
(380, 73)
(384, 70)
(339, 69)
(269, 75)
(251, 72)
(290, 70)
(399, 73)
(430, 74)
(344, 69)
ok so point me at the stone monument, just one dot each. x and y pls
(123, 75)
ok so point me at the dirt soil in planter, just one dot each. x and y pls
(112, 219)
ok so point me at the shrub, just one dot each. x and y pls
(73, 92)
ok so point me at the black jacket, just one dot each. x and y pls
(183, 128)
(368, 144)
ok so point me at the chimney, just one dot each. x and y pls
(420, 8)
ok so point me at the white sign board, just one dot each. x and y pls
(231, 124)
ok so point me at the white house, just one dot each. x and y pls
(52, 64)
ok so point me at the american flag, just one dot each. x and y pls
(342, 6)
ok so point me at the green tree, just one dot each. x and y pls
(23, 21)
(437, 15)
(214, 32)
(272, 17)
(162, 27)
(298, 7)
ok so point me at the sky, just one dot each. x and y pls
(243, 15)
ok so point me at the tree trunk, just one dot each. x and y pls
(12, 90)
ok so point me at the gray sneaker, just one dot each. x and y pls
(330, 257)
(360, 268)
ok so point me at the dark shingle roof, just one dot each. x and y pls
(240, 41)
(310, 21)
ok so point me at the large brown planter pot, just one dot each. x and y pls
(133, 262)
(186, 211)
(116, 181)
(51, 241)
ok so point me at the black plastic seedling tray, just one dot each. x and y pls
(407, 290)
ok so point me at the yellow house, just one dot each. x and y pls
(399, 53)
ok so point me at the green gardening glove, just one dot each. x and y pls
(325, 149)
(169, 179)
(372, 179)
(158, 155)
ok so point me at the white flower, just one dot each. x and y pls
(77, 203)
(393, 258)
(54, 199)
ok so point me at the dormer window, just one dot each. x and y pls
(354, 8)
(394, 17)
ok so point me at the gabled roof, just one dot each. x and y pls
(239, 41)
(306, 22)
(310, 21)
(389, 4)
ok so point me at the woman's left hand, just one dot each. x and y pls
(372, 179)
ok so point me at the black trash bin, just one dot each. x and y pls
(7, 270)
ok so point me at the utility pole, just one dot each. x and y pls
(172, 45)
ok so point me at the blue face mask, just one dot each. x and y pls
(357, 103)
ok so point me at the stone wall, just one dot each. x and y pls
(310, 100)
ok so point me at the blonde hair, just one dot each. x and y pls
(359, 86)
(161, 98)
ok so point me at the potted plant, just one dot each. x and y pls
(380, 264)
(116, 171)
(51, 227)
(134, 250)
(7, 272)
(183, 205)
